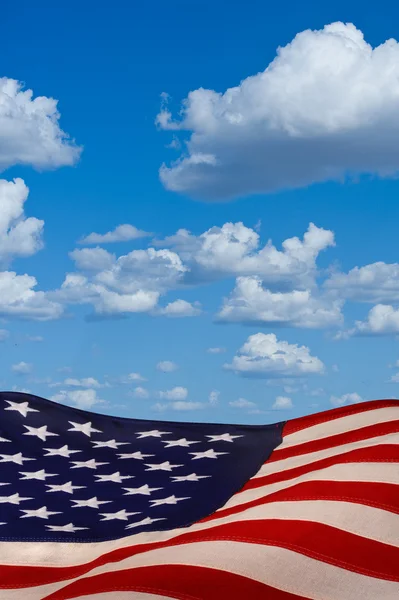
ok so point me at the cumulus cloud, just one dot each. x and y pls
(167, 366)
(352, 398)
(213, 397)
(19, 235)
(135, 377)
(251, 303)
(29, 130)
(178, 405)
(181, 308)
(382, 319)
(263, 355)
(122, 233)
(19, 299)
(92, 259)
(4, 335)
(140, 392)
(377, 282)
(22, 368)
(85, 382)
(83, 399)
(177, 393)
(282, 403)
(242, 403)
(325, 108)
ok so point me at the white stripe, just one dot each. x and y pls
(38, 593)
(342, 425)
(278, 567)
(372, 472)
(124, 596)
(297, 461)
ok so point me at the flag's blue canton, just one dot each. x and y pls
(67, 474)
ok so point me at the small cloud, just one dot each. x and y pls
(64, 370)
(352, 398)
(4, 335)
(86, 382)
(282, 403)
(22, 368)
(122, 233)
(242, 403)
(35, 338)
(83, 399)
(177, 393)
(214, 397)
(335, 368)
(167, 366)
(140, 392)
(180, 309)
(135, 377)
(216, 350)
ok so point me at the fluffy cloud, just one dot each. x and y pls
(140, 392)
(325, 108)
(177, 393)
(282, 403)
(179, 405)
(83, 399)
(263, 355)
(167, 366)
(4, 334)
(181, 308)
(250, 302)
(377, 282)
(213, 397)
(92, 259)
(19, 235)
(22, 368)
(352, 398)
(242, 403)
(122, 233)
(85, 382)
(382, 319)
(235, 250)
(19, 299)
(135, 377)
(30, 132)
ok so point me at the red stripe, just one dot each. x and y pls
(378, 495)
(176, 581)
(383, 453)
(348, 437)
(336, 413)
(317, 540)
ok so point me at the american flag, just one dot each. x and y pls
(105, 508)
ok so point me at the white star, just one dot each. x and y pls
(18, 459)
(40, 432)
(64, 487)
(91, 503)
(41, 513)
(4, 440)
(121, 515)
(165, 466)
(144, 490)
(207, 454)
(153, 433)
(63, 451)
(110, 444)
(114, 477)
(169, 500)
(146, 521)
(85, 428)
(89, 464)
(223, 437)
(137, 455)
(22, 407)
(182, 442)
(70, 528)
(13, 499)
(40, 475)
(191, 477)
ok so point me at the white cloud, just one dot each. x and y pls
(19, 299)
(216, 350)
(30, 132)
(177, 393)
(135, 377)
(140, 392)
(213, 398)
(22, 368)
(19, 235)
(122, 233)
(235, 250)
(325, 108)
(85, 382)
(377, 282)
(83, 399)
(35, 338)
(352, 398)
(282, 403)
(167, 366)
(382, 319)
(250, 302)
(179, 405)
(263, 355)
(181, 308)
(4, 335)
(92, 259)
(242, 403)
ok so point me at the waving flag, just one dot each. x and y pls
(105, 508)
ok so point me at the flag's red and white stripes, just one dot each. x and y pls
(320, 520)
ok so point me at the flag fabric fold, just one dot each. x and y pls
(106, 508)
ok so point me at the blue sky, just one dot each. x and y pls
(167, 133)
